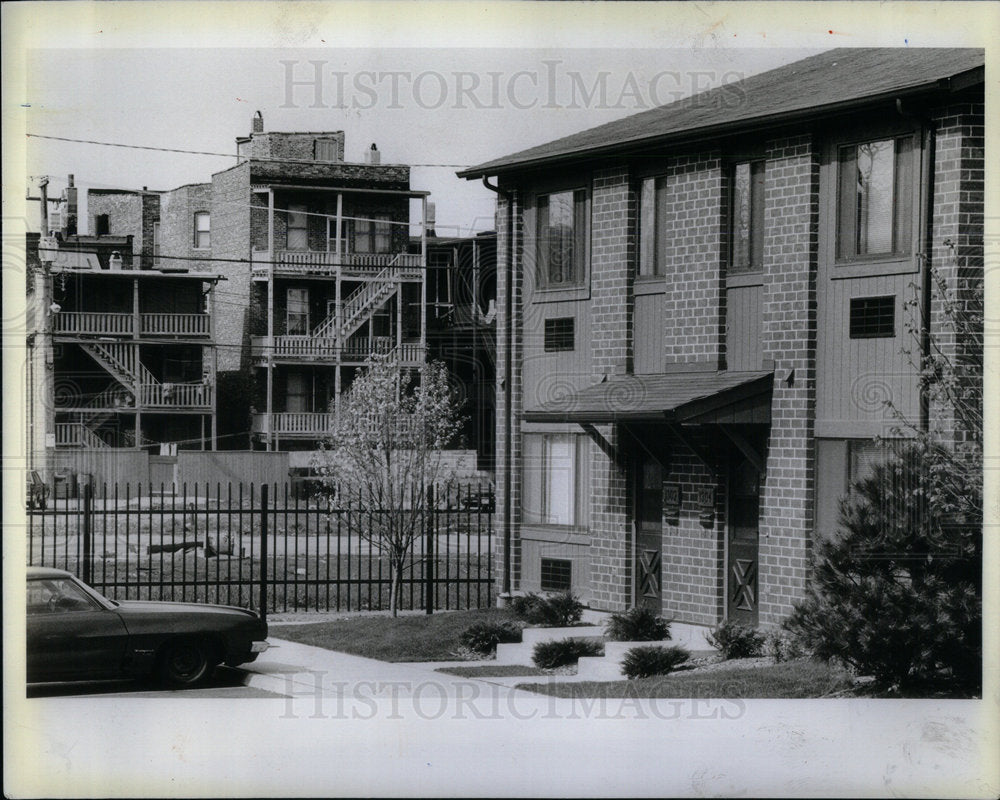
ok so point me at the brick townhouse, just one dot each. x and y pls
(702, 308)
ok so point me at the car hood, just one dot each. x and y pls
(166, 608)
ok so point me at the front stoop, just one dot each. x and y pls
(520, 653)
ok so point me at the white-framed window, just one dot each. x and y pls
(202, 231)
(297, 312)
(562, 239)
(555, 474)
(298, 227)
(652, 227)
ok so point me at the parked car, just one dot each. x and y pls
(75, 633)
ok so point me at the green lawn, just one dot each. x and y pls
(791, 680)
(406, 638)
(495, 671)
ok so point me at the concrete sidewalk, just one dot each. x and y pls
(293, 669)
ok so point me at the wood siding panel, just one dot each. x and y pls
(198, 468)
(106, 467)
(743, 328)
(648, 344)
(856, 376)
(548, 376)
(532, 553)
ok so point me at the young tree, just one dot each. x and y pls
(385, 449)
(898, 594)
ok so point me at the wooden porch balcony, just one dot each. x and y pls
(356, 350)
(99, 323)
(328, 263)
(176, 395)
(294, 424)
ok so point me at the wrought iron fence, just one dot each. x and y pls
(271, 547)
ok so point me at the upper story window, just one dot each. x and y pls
(102, 225)
(875, 198)
(652, 227)
(202, 231)
(562, 239)
(297, 311)
(746, 227)
(298, 227)
(373, 235)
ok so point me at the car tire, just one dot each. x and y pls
(185, 663)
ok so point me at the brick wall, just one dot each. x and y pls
(791, 191)
(956, 247)
(613, 210)
(509, 449)
(695, 310)
(300, 146)
(125, 216)
(693, 553)
(230, 198)
(177, 210)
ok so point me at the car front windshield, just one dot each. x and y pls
(63, 594)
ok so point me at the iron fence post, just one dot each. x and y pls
(429, 548)
(263, 551)
(88, 545)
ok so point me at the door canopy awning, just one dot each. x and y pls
(683, 397)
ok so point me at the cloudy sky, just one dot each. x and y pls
(442, 107)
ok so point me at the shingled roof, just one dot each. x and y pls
(832, 81)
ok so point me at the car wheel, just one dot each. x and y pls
(184, 663)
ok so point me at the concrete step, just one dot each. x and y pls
(520, 653)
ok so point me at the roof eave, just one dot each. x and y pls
(954, 83)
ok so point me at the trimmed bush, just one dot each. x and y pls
(483, 637)
(644, 662)
(736, 641)
(559, 652)
(783, 645)
(637, 625)
(555, 611)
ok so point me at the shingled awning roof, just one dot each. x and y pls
(833, 81)
(685, 397)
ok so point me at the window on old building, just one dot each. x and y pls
(555, 487)
(325, 150)
(560, 334)
(652, 227)
(373, 235)
(297, 394)
(298, 227)
(875, 198)
(202, 231)
(746, 251)
(102, 225)
(297, 312)
(556, 575)
(562, 239)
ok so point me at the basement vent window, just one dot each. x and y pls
(559, 334)
(557, 575)
(873, 317)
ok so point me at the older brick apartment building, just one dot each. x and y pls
(320, 274)
(702, 308)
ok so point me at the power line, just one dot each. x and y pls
(222, 155)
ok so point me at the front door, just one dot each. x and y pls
(649, 533)
(744, 518)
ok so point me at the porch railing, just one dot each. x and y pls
(322, 262)
(91, 322)
(176, 324)
(175, 395)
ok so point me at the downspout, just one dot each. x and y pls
(507, 384)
